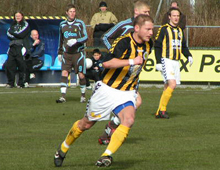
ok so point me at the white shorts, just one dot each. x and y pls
(170, 70)
(105, 99)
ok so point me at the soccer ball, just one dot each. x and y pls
(88, 63)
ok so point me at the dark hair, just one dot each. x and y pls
(102, 4)
(19, 13)
(174, 2)
(70, 6)
(173, 9)
(141, 19)
(96, 51)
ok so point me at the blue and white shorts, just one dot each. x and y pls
(106, 99)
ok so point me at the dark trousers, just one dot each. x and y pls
(32, 65)
(93, 75)
(15, 62)
(97, 42)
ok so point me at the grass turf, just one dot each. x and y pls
(32, 126)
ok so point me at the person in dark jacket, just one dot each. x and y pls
(19, 46)
(94, 73)
(34, 62)
(182, 22)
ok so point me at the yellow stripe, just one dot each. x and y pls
(170, 43)
(108, 76)
(164, 49)
(35, 17)
(126, 68)
(131, 78)
(181, 39)
(69, 80)
(122, 73)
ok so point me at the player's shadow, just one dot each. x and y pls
(171, 114)
(132, 140)
(117, 164)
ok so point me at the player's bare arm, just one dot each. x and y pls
(116, 63)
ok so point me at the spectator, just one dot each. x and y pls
(170, 43)
(34, 62)
(73, 35)
(94, 73)
(101, 22)
(19, 46)
(182, 22)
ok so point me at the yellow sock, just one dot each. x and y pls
(157, 113)
(73, 134)
(118, 137)
(165, 98)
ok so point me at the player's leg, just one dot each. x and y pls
(63, 86)
(138, 101)
(169, 73)
(127, 117)
(76, 130)
(111, 126)
(79, 65)
(66, 69)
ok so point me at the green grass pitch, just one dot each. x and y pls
(32, 126)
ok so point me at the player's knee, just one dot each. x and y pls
(138, 102)
(65, 73)
(81, 76)
(85, 124)
(129, 121)
(172, 86)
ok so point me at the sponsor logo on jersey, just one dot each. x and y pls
(68, 34)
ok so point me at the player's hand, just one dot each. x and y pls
(159, 67)
(71, 42)
(138, 60)
(190, 60)
(60, 57)
(36, 42)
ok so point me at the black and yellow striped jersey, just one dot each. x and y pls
(170, 43)
(125, 47)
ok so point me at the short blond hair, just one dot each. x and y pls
(138, 4)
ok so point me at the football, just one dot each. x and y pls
(88, 63)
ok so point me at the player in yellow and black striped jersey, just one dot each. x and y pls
(169, 44)
(120, 29)
(125, 47)
(116, 92)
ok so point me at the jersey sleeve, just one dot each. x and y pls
(60, 46)
(112, 34)
(185, 49)
(118, 48)
(83, 32)
(158, 43)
